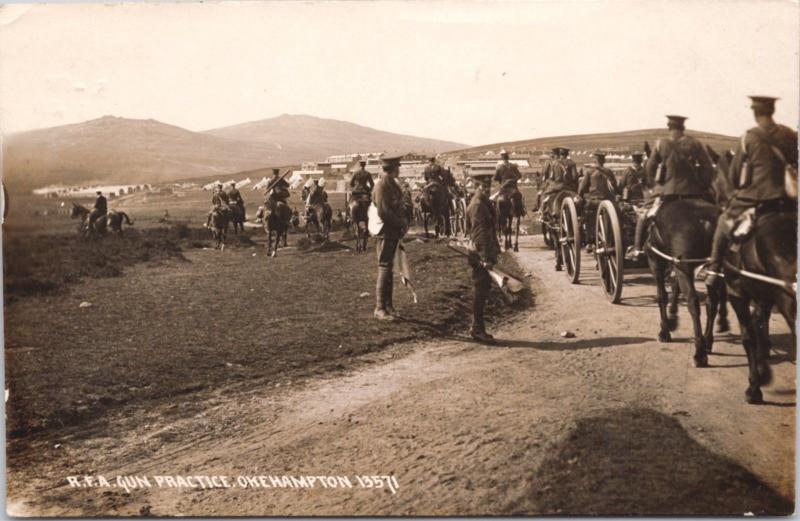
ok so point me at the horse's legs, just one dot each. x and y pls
(713, 299)
(516, 237)
(659, 268)
(686, 281)
(722, 322)
(674, 298)
(742, 309)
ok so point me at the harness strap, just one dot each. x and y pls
(788, 286)
(675, 260)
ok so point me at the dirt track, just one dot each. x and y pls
(607, 422)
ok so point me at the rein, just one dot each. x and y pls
(676, 260)
(788, 286)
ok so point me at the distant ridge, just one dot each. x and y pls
(625, 141)
(123, 150)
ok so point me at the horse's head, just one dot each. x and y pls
(78, 210)
(721, 185)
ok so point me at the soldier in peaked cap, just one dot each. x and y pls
(387, 197)
(434, 173)
(570, 169)
(235, 197)
(599, 184)
(765, 156)
(99, 209)
(483, 251)
(547, 174)
(507, 174)
(680, 169)
(633, 185)
(277, 192)
(361, 184)
(219, 201)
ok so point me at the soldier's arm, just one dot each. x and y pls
(706, 167)
(382, 201)
(735, 168)
(370, 182)
(652, 166)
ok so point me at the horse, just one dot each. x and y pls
(220, 216)
(761, 270)
(320, 214)
(506, 213)
(680, 240)
(434, 204)
(113, 219)
(277, 222)
(358, 207)
(236, 218)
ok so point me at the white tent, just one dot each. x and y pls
(210, 186)
(261, 184)
(243, 183)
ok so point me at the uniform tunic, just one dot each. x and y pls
(688, 168)
(387, 196)
(362, 182)
(598, 184)
(634, 183)
(434, 173)
(507, 174)
(101, 205)
(767, 170)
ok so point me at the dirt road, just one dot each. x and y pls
(610, 421)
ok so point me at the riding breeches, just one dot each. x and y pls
(481, 282)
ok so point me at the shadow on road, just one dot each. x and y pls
(566, 345)
(639, 461)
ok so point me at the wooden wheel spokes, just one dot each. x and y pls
(609, 252)
(571, 239)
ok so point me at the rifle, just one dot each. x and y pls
(271, 185)
(503, 280)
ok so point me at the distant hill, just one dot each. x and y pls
(327, 137)
(613, 141)
(119, 150)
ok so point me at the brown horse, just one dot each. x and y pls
(434, 205)
(680, 240)
(761, 270)
(320, 214)
(277, 223)
(113, 219)
(236, 217)
(358, 206)
(220, 216)
(506, 213)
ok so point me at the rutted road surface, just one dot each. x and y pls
(610, 421)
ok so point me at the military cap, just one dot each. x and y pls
(763, 102)
(276, 171)
(675, 121)
(391, 159)
(563, 149)
(431, 158)
(219, 183)
(637, 154)
(99, 192)
(504, 152)
(362, 162)
(599, 153)
(233, 183)
(555, 150)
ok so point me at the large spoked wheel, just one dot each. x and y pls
(570, 239)
(609, 250)
(462, 216)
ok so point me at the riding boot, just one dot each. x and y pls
(389, 289)
(478, 329)
(635, 251)
(380, 295)
(719, 247)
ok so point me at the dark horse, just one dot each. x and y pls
(277, 223)
(680, 240)
(113, 219)
(236, 218)
(761, 270)
(433, 204)
(318, 213)
(507, 211)
(358, 206)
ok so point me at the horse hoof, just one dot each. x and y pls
(672, 322)
(516, 247)
(701, 362)
(664, 336)
(753, 396)
(723, 326)
(764, 374)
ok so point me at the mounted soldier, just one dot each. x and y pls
(547, 174)
(316, 192)
(680, 168)
(434, 173)
(764, 171)
(389, 225)
(507, 174)
(219, 203)
(633, 184)
(361, 184)
(99, 210)
(570, 169)
(483, 251)
(235, 197)
(277, 191)
(599, 184)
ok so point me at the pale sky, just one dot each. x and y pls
(472, 72)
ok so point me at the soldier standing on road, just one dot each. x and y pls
(387, 196)
(483, 251)
(99, 209)
(599, 184)
(758, 170)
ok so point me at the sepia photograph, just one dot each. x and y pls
(397, 258)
